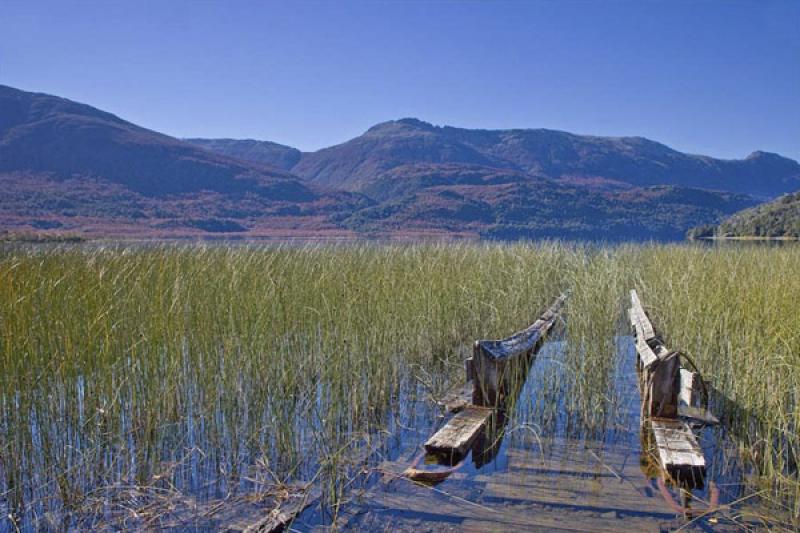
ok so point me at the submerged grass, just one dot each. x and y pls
(214, 369)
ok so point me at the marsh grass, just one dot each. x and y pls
(736, 313)
(211, 371)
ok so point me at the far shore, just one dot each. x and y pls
(746, 238)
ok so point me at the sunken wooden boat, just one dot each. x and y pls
(496, 370)
(498, 366)
(671, 400)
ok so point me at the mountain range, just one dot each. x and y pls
(69, 167)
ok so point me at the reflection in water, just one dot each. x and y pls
(544, 461)
(561, 446)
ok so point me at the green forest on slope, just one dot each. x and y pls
(776, 219)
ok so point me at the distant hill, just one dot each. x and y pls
(631, 161)
(66, 167)
(776, 219)
(46, 134)
(507, 205)
(265, 152)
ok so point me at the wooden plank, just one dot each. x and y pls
(517, 344)
(689, 399)
(498, 363)
(632, 318)
(677, 447)
(576, 465)
(661, 383)
(641, 317)
(433, 475)
(602, 499)
(459, 432)
(526, 339)
(647, 329)
(469, 369)
(277, 519)
(686, 394)
(573, 521)
(646, 354)
(431, 509)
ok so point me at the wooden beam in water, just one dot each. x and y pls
(662, 384)
(660, 367)
(495, 362)
(668, 391)
(697, 414)
(646, 354)
(284, 514)
(678, 451)
(689, 399)
(637, 311)
(455, 437)
(599, 495)
(493, 376)
(434, 510)
(691, 392)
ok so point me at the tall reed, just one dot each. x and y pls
(210, 369)
(736, 312)
(190, 365)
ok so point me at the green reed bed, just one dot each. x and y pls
(736, 312)
(203, 370)
(579, 378)
(599, 281)
(198, 367)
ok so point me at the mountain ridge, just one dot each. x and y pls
(49, 134)
(270, 153)
(637, 161)
(67, 166)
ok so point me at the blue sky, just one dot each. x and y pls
(720, 78)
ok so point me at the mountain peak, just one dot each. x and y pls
(415, 122)
(636, 161)
(766, 156)
(403, 124)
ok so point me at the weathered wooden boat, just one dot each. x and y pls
(496, 370)
(671, 398)
(495, 364)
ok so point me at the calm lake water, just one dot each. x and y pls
(550, 467)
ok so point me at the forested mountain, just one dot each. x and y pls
(776, 219)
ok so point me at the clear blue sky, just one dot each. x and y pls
(721, 78)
